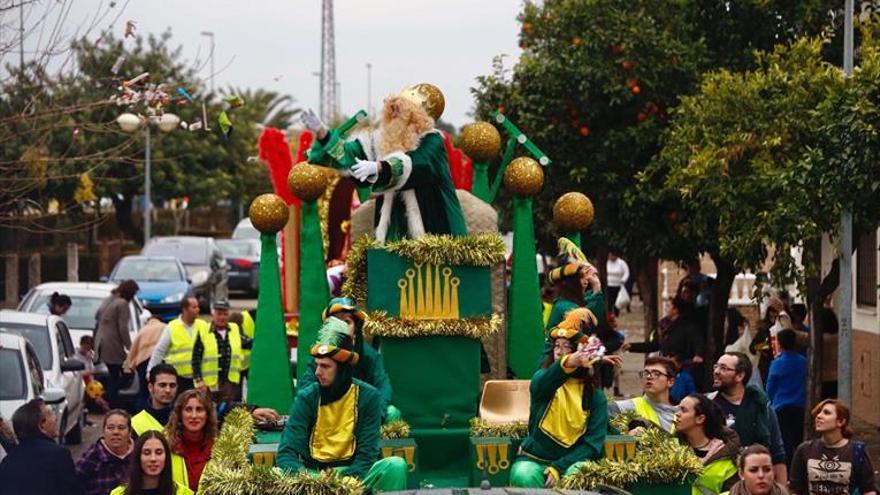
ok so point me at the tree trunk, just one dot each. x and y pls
(724, 277)
(646, 273)
(123, 208)
(815, 297)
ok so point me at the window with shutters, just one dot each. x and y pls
(866, 269)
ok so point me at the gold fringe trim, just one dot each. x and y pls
(230, 473)
(485, 249)
(482, 428)
(395, 430)
(379, 323)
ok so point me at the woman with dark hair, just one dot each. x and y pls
(755, 469)
(102, 467)
(150, 472)
(834, 463)
(59, 304)
(577, 285)
(568, 414)
(191, 431)
(700, 424)
(112, 337)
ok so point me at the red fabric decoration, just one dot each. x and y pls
(460, 167)
(275, 151)
(306, 138)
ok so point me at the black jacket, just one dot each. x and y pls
(39, 466)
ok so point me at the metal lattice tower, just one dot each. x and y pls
(327, 108)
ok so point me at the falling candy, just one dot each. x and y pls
(184, 93)
(76, 132)
(234, 101)
(225, 123)
(129, 28)
(195, 126)
(136, 79)
(117, 65)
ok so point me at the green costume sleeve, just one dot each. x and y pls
(545, 381)
(595, 302)
(294, 444)
(377, 376)
(336, 152)
(590, 445)
(367, 430)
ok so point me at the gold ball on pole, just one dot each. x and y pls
(573, 212)
(268, 213)
(480, 141)
(307, 181)
(523, 177)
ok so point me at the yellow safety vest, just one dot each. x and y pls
(713, 477)
(643, 409)
(180, 353)
(178, 489)
(210, 356)
(247, 328)
(143, 422)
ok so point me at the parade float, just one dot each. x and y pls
(435, 290)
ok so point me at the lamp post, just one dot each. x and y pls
(131, 123)
(210, 34)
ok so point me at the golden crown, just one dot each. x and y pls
(428, 292)
(428, 96)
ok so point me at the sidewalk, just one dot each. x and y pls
(630, 384)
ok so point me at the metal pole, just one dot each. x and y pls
(210, 34)
(21, 39)
(369, 106)
(844, 302)
(148, 200)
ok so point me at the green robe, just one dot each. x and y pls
(294, 453)
(423, 172)
(370, 369)
(543, 387)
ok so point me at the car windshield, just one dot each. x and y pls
(12, 382)
(37, 335)
(147, 270)
(234, 249)
(81, 314)
(189, 253)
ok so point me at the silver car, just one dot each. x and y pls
(204, 263)
(50, 339)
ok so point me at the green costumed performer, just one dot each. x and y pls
(568, 416)
(334, 423)
(269, 379)
(405, 163)
(576, 283)
(369, 368)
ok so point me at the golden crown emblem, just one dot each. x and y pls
(428, 292)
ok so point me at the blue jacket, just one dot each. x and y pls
(786, 380)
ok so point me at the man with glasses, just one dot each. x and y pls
(653, 406)
(747, 408)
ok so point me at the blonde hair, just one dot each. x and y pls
(403, 122)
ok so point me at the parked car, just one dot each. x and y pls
(243, 259)
(50, 338)
(245, 230)
(86, 297)
(203, 261)
(162, 281)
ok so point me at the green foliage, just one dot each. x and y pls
(592, 89)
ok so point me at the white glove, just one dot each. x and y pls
(312, 121)
(365, 171)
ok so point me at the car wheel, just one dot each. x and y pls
(75, 435)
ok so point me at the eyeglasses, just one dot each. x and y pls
(652, 374)
(721, 367)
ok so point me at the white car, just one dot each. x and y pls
(50, 339)
(86, 297)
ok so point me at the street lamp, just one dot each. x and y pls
(210, 34)
(131, 123)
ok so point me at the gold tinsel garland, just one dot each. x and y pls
(379, 323)
(660, 459)
(485, 249)
(395, 430)
(482, 428)
(230, 473)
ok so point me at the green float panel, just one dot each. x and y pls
(490, 459)
(408, 450)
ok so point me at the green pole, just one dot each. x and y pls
(480, 187)
(269, 380)
(313, 290)
(525, 336)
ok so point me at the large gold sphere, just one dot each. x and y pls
(523, 177)
(307, 181)
(268, 213)
(573, 212)
(480, 141)
(428, 96)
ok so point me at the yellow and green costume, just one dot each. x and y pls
(337, 426)
(566, 425)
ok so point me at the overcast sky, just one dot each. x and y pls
(275, 44)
